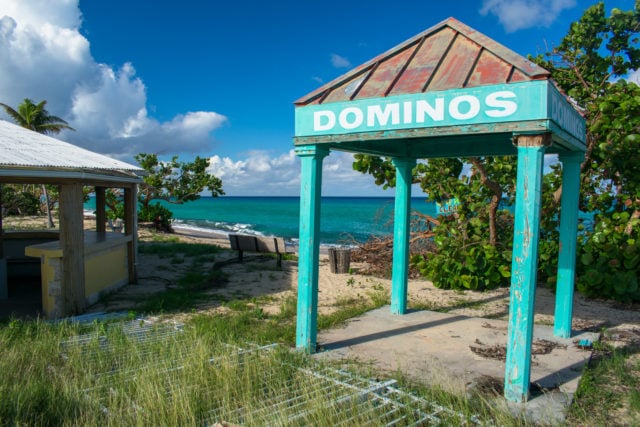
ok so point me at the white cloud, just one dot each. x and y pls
(258, 174)
(44, 56)
(634, 76)
(516, 15)
(261, 174)
(340, 61)
(61, 13)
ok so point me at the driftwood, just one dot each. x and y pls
(377, 252)
(499, 351)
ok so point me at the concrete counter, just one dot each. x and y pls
(105, 267)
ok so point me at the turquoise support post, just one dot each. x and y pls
(309, 250)
(568, 236)
(524, 266)
(401, 234)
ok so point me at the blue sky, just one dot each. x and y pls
(218, 79)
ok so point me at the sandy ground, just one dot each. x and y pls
(258, 278)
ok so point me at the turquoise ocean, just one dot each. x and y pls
(342, 219)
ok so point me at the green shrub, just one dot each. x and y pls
(463, 259)
(609, 262)
(548, 248)
(17, 202)
(158, 214)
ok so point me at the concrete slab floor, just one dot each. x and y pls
(436, 348)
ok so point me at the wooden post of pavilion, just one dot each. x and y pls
(4, 281)
(401, 234)
(568, 236)
(131, 229)
(72, 244)
(524, 265)
(309, 249)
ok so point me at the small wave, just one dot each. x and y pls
(222, 228)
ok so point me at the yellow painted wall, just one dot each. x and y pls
(51, 271)
(105, 269)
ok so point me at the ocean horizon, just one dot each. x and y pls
(343, 220)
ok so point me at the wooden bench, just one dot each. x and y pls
(243, 243)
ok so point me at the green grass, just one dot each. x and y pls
(177, 384)
(192, 287)
(115, 379)
(609, 390)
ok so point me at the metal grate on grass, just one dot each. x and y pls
(323, 395)
(139, 370)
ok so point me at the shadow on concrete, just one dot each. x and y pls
(465, 304)
(555, 380)
(390, 333)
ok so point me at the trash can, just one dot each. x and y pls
(339, 260)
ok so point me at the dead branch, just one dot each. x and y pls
(377, 252)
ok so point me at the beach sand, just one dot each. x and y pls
(257, 277)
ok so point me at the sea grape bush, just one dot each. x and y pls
(16, 201)
(156, 213)
(609, 263)
(590, 65)
(463, 259)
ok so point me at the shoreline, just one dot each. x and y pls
(222, 239)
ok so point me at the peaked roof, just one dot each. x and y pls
(28, 151)
(448, 55)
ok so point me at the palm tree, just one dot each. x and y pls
(37, 118)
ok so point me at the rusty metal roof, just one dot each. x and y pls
(23, 147)
(448, 55)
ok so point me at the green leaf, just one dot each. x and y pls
(586, 259)
(632, 138)
(504, 271)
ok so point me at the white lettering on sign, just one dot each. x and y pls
(463, 107)
(324, 120)
(375, 112)
(407, 117)
(472, 110)
(566, 117)
(352, 122)
(497, 100)
(423, 109)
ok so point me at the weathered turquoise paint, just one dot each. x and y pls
(568, 231)
(565, 117)
(309, 250)
(447, 207)
(524, 270)
(401, 234)
(504, 103)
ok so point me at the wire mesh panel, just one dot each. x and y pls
(141, 371)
